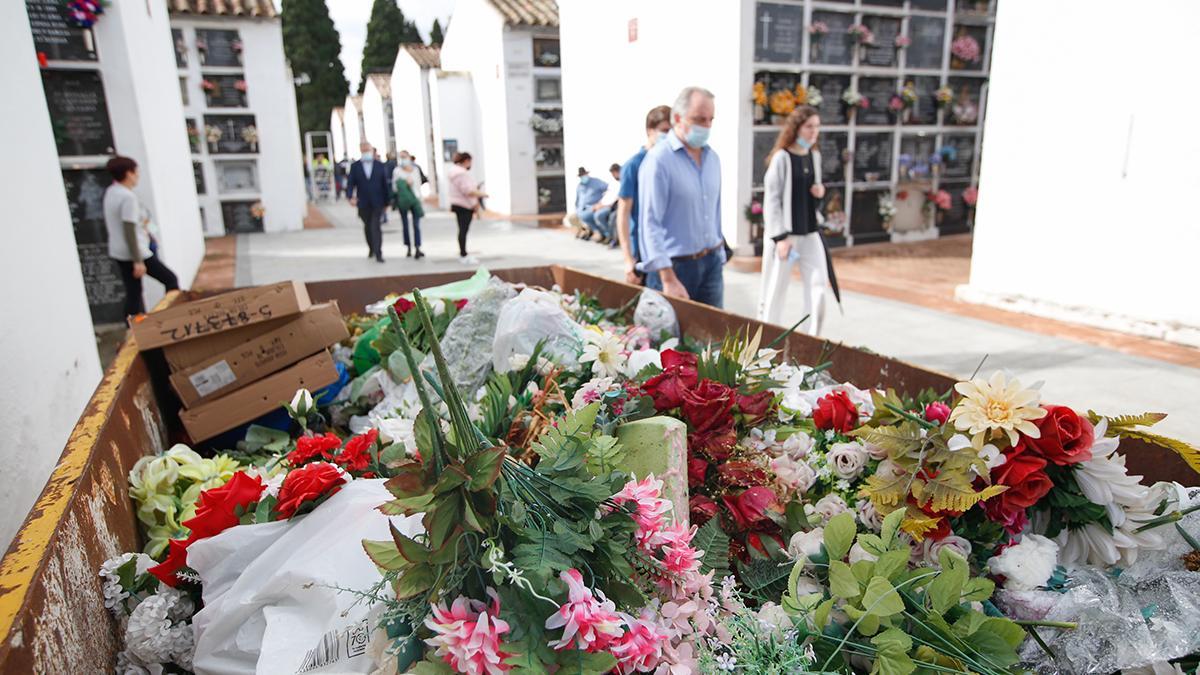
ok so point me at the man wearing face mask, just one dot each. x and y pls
(679, 223)
(658, 125)
(367, 188)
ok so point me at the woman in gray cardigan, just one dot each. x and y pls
(792, 219)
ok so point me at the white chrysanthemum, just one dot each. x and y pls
(115, 594)
(998, 405)
(158, 631)
(605, 352)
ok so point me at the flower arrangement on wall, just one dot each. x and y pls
(965, 50)
(84, 13)
(861, 35)
(213, 134)
(250, 136)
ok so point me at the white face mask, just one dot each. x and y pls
(368, 156)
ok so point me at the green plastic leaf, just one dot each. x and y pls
(575, 662)
(864, 623)
(891, 525)
(796, 520)
(871, 543)
(842, 583)
(437, 667)
(1009, 631)
(945, 591)
(863, 571)
(484, 468)
(410, 549)
(881, 598)
(821, 615)
(839, 535)
(385, 554)
(413, 581)
(994, 646)
(452, 477)
(891, 563)
(892, 658)
(977, 589)
(264, 438)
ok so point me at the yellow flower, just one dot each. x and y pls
(760, 93)
(991, 408)
(783, 102)
(801, 95)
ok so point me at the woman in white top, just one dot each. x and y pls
(791, 221)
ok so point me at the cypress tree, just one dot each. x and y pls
(312, 46)
(387, 29)
(435, 34)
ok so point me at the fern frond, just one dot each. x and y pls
(1146, 419)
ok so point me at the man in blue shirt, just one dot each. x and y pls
(658, 125)
(679, 221)
(587, 194)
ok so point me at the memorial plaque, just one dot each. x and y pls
(832, 110)
(954, 221)
(925, 110)
(977, 33)
(198, 175)
(78, 112)
(832, 145)
(772, 83)
(879, 92)
(221, 48)
(238, 134)
(224, 91)
(237, 176)
(763, 142)
(101, 276)
(958, 155)
(932, 5)
(884, 3)
(915, 160)
(928, 34)
(865, 222)
(55, 36)
(873, 157)
(546, 53)
(973, 6)
(883, 52)
(835, 47)
(968, 97)
(239, 218)
(552, 194)
(181, 59)
(778, 32)
(833, 207)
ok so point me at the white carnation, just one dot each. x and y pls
(158, 631)
(1028, 565)
(805, 544)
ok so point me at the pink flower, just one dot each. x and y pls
(937, 412)
(641, 647)
(588, 624)
(650, 508)
(467, 636)
(970, 196)
(896, 104)
(864, 103)
(965, 48)
(903, 41)
(756, 208)
(679, 557)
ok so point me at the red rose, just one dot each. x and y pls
(1023, 474)
(715, 443)
(937, 412)
(403, 305)
(750, 508)
(459, 304)
(1066, 437)
(356, 456)
(216, 510)
(1012, 517)
(697, 468)
(754, 407)
(702, 509)
(754, 540)
(306, 484)
(678, 375)
(309, 448)
(707, 405)
(742, 474)
(176, 560)
(835, 411)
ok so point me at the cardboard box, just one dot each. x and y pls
(254, 359)
(259, 398)
(184, 355)
(220, 313)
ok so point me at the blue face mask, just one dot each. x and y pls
(662, 136)
(806, 144)
(697, 136)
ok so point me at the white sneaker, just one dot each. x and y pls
(469, 260)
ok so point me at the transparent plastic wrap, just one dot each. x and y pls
(657, 315)
(467, 343)
(532, 317)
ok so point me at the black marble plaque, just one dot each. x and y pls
(865, 222)
(832, 145)
(547, 54)
(55, 36)
(884, 3)
(778, 32)
(883, 52)
(915, 161)
(198, 175)
(219, 47)
(238, 134)
(101, 276)
(78, 112)
(973, 6)
(181, 59)
(925, 110)
(928, 34)
(958, 155)
(835, 47)
(552, 194)
(872, 157)
(224, 91)
(966, 109)
(831, 87)
(879, 92)
(238, 217)
(763, 142)
(977, 33)
(932, 5)
(954, 221)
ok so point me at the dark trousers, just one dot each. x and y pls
(372, 217)
(704, 279)
(134, 304)
(464, 216)
(416, 224)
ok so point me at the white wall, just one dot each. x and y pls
(375, 123)
(456, 116)
(411, 111)
(337, 129)
(680, 43)
(354, 125)
(271, 98)
(522, 168)
(1088, 201)
(50, 373)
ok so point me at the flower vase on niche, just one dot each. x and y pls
(759, 98)
(250, 135)
(202, 49)
(213, 135)
(236, 46)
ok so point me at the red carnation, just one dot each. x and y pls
(306, 484)
(356, 456)
(678, 375)
(403, 305)
(835, 411)
(707, 405)
(216, 510)
(702, 509)
(1066, 437)
(937, 412)
(309, 448)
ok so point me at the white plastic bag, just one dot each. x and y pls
(270, 605)
(656, 314)
(529, 318)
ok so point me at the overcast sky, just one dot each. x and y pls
(350, 18)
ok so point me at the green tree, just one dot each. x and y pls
(312, 45)
(435, 33)
(387, 29)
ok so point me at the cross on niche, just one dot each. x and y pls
(766, 22)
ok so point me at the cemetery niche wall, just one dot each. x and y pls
(901, 89)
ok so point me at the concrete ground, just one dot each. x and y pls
(1075, 372)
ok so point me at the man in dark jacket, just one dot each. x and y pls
(367, 188)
